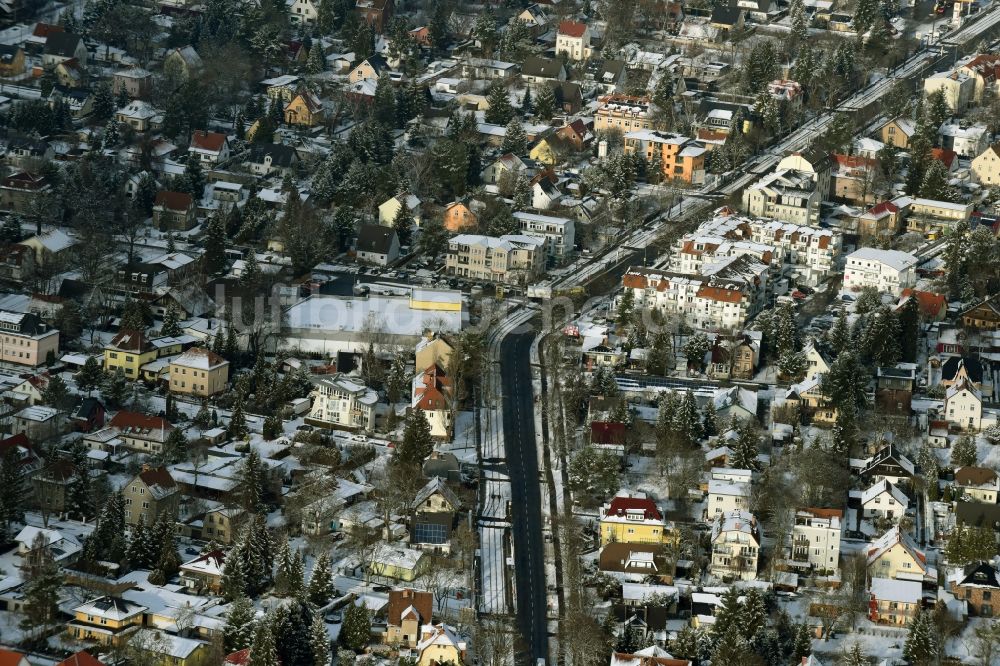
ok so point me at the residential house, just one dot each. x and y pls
(164, 648)
(393, 563)
(536, 70)
(198, 372)
(138, 115)
(39, 423)
(680, 158)
(486, 69)
(894, 389)
(963, 406)
(807, 396)
(727, 18)
(624, 113)
(505, 164)
(979, 587)
(184, 62)
(12, 658)
(377, 244)
(151, 495)
(107, 621)
(81, 658)
(636, 559)
(958, 88)
(852, 179)
(887, 463)
(631, 517)
(211, 148)
(898, 132)
(432, 394)
(964, 138)
(895, 555)
(11, 61)
(559, 231)
(433, 351)
(62, 46)
(174, 211)
(304, 12)
(204, 573)
(984, 316)
(128, 351)
(884, 501)
(407, 612)
(375, 13)
(535, 19)
(433, 516)
(265, 159)
(508, 259)
(573, 40)
(389, 209)
(341, 401)
(27, 340)
(305, 109)
(886, 270)
(726, 495)
(440, 644)
(220, 525)
(735, 403)
(894, 602)
(957, 369)
(736, 542)
(986, 166)
(69, 74)
(785, 194)
(977, 484)
(932, 306)
(27, 153)
(370, 69)
(140, 432)
(816, 537)
(50, 486)
(137, 83)
(984, 70)
(458, 217)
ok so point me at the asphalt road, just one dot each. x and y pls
(526, 498)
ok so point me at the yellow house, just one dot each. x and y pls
(544, 152)
(401, 564)
(106, 621)
(440, 644)
(808, 396)
(433, 351)
(199, 372)
(408, 611)
(170, 650)
(305, 109)
(128, 351)
(632, 518)
(895, 555)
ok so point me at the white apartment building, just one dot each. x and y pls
(735, 546)
(509, 259)
(963, 406)
(726, 496)
(890, 271)
(771, 242)
(573, 40)
(342, 401)
(966, 139)
(723, 297)
(816, 538)
(560, 232)
(787, 194)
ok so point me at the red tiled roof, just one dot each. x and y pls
(930, 304)
(129, 340)
(720, 294)
(10, 658)
(158, 476)
(944, 155)
(633, 281)
(212, 141)
(826, 513)
(174, 200)
(400, 600)
(240, 658)
(607, 432)
(620, 505)
(651, 661)
(81, 658)
(883, 208)
(572, 28)
(46, 29)
(124, 420)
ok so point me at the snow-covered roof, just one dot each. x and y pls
(891, 589)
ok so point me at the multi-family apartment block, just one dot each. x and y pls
(560, 231)
(887, 270)
(624, 113)
(25, 339)
(509, 259)
(788, 194)
(342, 401)
(816, 538)
(680, 157)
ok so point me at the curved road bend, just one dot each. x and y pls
(526, 499)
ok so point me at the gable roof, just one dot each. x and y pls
(406, 601)
(607, 432)
(929, 303)
(548, 68)
(130, 340)
(622, 504)
(63, 44)
(159, 482)
(890, 539)
(375, 238)
(974, 476)
(208, 141)
(173, 200)
(435, 485)
(139, 422)
(726, 15)
(572, 28)
(81, 658)
(951, 367)
(884, 486)
(980, 574)
(281, 155)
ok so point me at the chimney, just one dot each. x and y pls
(146, 467)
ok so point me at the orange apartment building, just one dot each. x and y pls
(681, 157)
